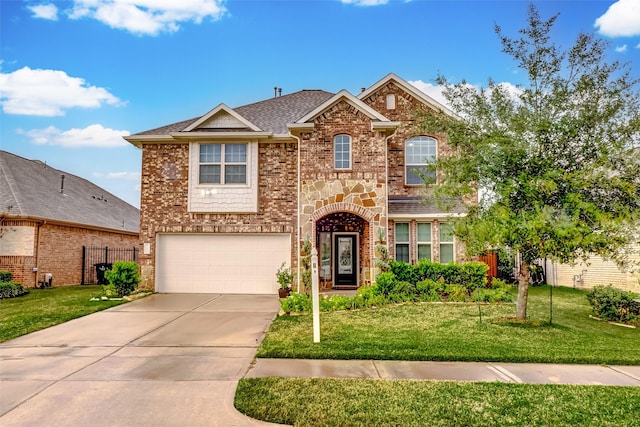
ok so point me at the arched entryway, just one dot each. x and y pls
(344, 246)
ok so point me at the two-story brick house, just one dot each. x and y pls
(227, 197)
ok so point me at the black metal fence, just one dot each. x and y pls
(96, 260)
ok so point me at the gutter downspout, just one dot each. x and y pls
(386, 202)
(297, 233)
(37, 266)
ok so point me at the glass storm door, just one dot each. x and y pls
(346, 260)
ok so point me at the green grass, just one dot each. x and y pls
(42, 308)
(358, 402)
(453, 332)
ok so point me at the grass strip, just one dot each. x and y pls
(453, 332)
(360, 402)
(42, 308)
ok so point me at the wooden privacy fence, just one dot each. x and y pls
(96, 260)
(491, 259)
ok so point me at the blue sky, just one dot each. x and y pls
(77, 75)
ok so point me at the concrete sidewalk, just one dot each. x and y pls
(534, 373)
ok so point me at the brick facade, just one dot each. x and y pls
(303, 202)
(57, 249)
(164, 199)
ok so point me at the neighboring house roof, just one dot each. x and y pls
(32, 189)
(417, 207)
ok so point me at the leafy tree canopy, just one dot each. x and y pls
(556, 163)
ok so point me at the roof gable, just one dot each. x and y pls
(31, 188)
(343, 95)
(221, 117)
(407, 87)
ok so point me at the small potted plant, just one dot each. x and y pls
(285, 279)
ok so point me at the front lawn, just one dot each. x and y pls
(451, 332)
(359, 402)
(42, 308)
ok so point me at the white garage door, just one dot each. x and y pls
(220, 263)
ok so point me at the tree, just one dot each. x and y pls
(555, 163)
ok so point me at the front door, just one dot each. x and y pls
(345, 260)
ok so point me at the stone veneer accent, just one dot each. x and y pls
(366, 199)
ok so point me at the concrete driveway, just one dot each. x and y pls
(164, 360)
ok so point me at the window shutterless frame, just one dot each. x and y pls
(401, 237)
(222, 164)
(342, 151)
(419, 151)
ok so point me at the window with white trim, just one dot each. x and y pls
(419, 151)
(424, 241)
(447, 253)
(402, 241)
(342, 151)
(223, 164)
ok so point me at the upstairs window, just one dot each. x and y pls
(223, 164)
(402, 241)
(342, 152)
(419, 152)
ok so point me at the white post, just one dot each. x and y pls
(315, 295)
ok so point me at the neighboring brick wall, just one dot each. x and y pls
(406, 107)
(60, 253)
(164, 199)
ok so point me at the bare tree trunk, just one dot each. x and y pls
(523, 291)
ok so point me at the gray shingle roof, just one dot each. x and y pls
(32, 188)
(420, 206)
(270, 115)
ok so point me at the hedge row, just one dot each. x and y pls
(11, 289)
(471, 275)
(468, 282)
(614, 304)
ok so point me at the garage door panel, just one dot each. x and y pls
(220, 263)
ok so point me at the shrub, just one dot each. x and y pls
(492, 295)
(386, 282)
(404, 272)
(11, 289)
(296, 302)
(5, 276)
(124, 276)
(473, 275)
(455, 293)
(429, 290)
(614, 304)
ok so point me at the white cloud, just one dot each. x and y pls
(148, 17)
(48, 93)
(92, 136)
(365, 2)
(45, 11)
(638, 47)
(434, 91)
(622, 19)
(621, 49)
